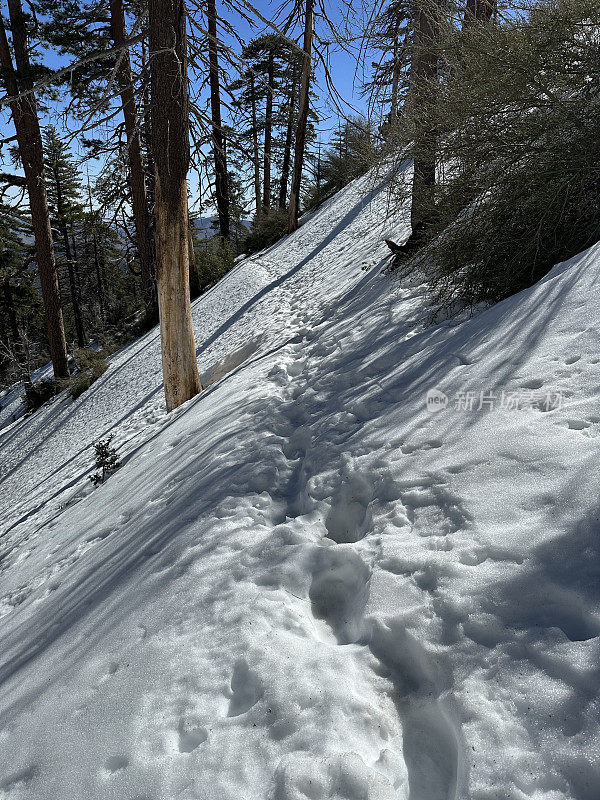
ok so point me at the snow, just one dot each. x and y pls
(303, 583)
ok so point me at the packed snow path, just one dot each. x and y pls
(302, 584)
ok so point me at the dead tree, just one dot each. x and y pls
(171, 148)
(221, 182)
(302, 117)
(137, 179)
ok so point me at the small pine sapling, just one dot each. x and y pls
(107, 460)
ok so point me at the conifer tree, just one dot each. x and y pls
(21, 310)
(390, 33)
(29, 137)
(64, 202)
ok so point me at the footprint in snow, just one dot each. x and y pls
(190, 734)
(246, 689)
(116, 763)
(349, 519)
(339, 591)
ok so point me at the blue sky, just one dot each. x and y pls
(343, 71)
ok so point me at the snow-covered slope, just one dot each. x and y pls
(304, 583)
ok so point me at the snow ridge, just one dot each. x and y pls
(302, 583)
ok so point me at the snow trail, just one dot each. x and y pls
(302, 584)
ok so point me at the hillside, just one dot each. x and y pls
(303, 583)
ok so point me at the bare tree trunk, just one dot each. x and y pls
(221, 187)
(10, 310)
(19, 346)
(77, 275)
(287, 150)
(268, 132)
(137, 185)
(424, 70)
(255, 153)
(302, 117)
(395, 81)
(98, 278)
(73, 288)
(62, 224)
(96, 258)
(195, 288)
(171, 147)
(29, 138)
(319, 170)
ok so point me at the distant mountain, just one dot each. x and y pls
(209, 226)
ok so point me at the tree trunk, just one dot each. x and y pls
(395, 80)
(319, 170)
(255, 147)
(302, 117)
(98, 277)
(171, 147)
(77, 276)
(137, 185)
(287, 150)
(10, 310)
(221, 188)
(97, 269)
(19, 346)
(62, 223)
(73, 288)
(29, 138)
(195, 287)
(424, 68)
(268, 132)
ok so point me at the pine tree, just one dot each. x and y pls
(268, 56)
(107, 460)
(29, 137)
(21, 310)
(81, 30)
(390, 34)
(64, 202)
(351, 151)
(291, 113)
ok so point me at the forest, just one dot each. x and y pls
(299, 417)
(109, 108)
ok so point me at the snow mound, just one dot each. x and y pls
(309, 582)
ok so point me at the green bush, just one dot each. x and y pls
(519, 134)
(107, 460)
(38, 393)
(266, 230)
(91, 364)
(211, 265)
